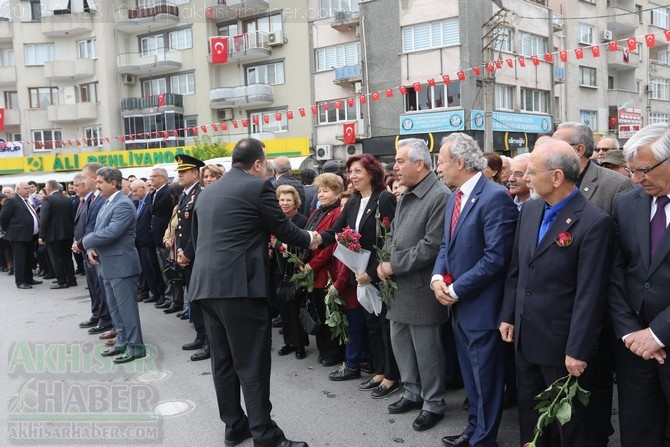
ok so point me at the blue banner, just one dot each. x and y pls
(432, 122)
(512, 122)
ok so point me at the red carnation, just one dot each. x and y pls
(448, 279)
(281, 248)
(564, 239)
(386, 222)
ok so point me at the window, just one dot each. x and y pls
(35, 10)
(39, 53)
(329, 114)
(151, 45)
(430, 35)
(660, 56)
(655, 118)
(531, 44)
(267, 121)
(87, 49)
(47, 139)
(190, 122)
(503, 40)
(659, 16)
(264, 24)
(589, 118)
(534, 100)
(329, 8)
(436, 97)
(272, 74)
(42, 97)
(7, 57)
(587, 77)
(11, 100)
(504, 97)
(338, 56)
(182, 84)
(93, 135)
(154, 86)
(181, 39)
(659, 89)
(586, 33)
(89, 92)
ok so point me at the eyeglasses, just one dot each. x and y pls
(517, 174)
(603, 149)
(642, 172)
(534, 173)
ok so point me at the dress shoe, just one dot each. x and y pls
(461, 440)
(24, 286)
(300, 353)
(107, 335)
(40, 273)
(369, 385)
(330, 362)
(466, 404)
(404, 406)
(232, 441)
(195, 344)
(174, 307)
(286, 350)
(162, 304)
(179, 314)
(201, 354)
(367, 367)
(111, 352)
(79, 271)
(289, 443)
(184, 315)
(110, 342)
(33, 282)
(72, 283)
(426, 420)
(88, 323)
(276, 322)
(49, 276)
(141, 297)
(383, 391)
(344, 373)
(10, 272)
(125, 358)
(509, 402)
(152, 299)
(59, 286)
(99, 329)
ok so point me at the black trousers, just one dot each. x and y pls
(239, 333)
(151, 271)
(24, 256)
(60, 254)
(379, 334)
(329, 349)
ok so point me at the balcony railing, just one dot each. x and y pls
(71, 24)
(234, 9)
(152, 102)
(240, 96)
(81, 111)
(158, 61)
(162, 14)
(348, 73)
(252, 45)
(8, 75)
(64, 70)
(345, 20)
(6, 31)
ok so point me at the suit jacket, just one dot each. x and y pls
(79, 220)
(92, 211)
(478, 253)
(639, 286)
(143, 234)
(56, 222)
(232, 221)
(556, 296)
(114, 239)
(367, 227)
(16, 220)
(601, 186)
(417, 231)
(184, 220)
(161, 211)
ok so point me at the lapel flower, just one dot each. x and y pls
(564, 239)
(386, 223)
(448, 279)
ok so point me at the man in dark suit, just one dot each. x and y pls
(556, 290)
(57, 231)
(21, 225)
(283, 174)
(639, 290)
(480, 218)
(161, 212)
(230, 280)
(112, 247)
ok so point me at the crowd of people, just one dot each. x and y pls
(509, 274)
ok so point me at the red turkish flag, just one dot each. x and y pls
(350, 102)
(175, 132)
(477, 71)
(106, 139)
(219, 47)
(510, 63)
(595, 51)
(461, 75)
(161, 100)
(166, 135)
(215, 128)
(614, 46)
(632, 43)
(325, 106)
(234, 122)
(224, 126)
(194, 130)
(363, 99)
(535, 60)
(431, 82)
(289, 114)
(549, 57)
(403, 90)
(522, 61)
(498, 63)
(204, 128)
(132, 137)
(375, 96)
(349, 133)
(389, 92)
(563, 55)
(278, 116)
(266, 119)
(315, 109)
(255, 119)
(490, 67)
(417, 86)
(579, 53)
(650, 40)
(2, 119)
(245, 122)
(338, 104)
(667, 34)
(446, 79)
(301, 110)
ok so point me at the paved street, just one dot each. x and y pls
(58, 387)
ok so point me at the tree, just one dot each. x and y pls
(205, 148)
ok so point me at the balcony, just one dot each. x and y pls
(61, 25)
(348, 74)
(241, 96)
(151, 104)
(622, 17)
(659, 69)
(6, 31)
(7, 75)
(558, 22)
(226, 10)
(617, 97)
(152, 18)
(615, 60)
(82, 111)
(345, 20)
(156, 62)
(12, 117)
(73, 70)
(559, 75)
(247, 47)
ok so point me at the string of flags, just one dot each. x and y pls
(627, 46)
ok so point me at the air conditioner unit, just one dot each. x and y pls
(340, 15)
(224, 114)
(606, 35)
(324, 152)
(128, 79)
(276, 38)
(354, 149)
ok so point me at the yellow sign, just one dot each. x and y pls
(290, 147)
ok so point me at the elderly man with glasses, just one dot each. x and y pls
(603, 146)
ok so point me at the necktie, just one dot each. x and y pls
(457, 210)
(36, 219)
(549, 216)
(140, 206)
(658, 224)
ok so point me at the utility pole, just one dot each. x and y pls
(492, 27)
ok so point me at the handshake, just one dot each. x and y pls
(316, 240)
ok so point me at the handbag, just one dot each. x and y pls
(174, 273)
(288, 290)
(308, 316)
